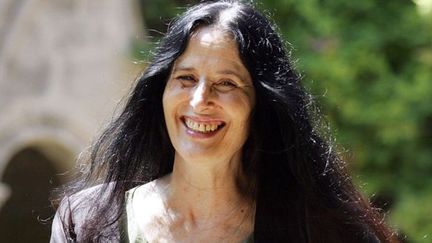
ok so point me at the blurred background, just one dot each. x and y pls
(66, 64)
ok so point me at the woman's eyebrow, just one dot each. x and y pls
(186, 69)
(228, 72)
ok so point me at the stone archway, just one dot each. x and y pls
(30, 175)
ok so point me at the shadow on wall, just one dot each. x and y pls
(31, 176)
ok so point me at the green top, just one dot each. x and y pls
(133, 231)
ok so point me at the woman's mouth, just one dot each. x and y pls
(202, 126)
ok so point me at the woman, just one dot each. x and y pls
(216, 144)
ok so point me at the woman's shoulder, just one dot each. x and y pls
(82, 200)
(76, 200)
(151, 194)
(144, 205)
(74, 209)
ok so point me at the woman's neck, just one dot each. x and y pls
(203, 191)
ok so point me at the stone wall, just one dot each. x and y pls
(64, 66)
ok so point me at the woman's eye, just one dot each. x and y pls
(226, 85)
(186, 80)
(185, 77)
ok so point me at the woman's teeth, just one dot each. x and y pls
(200, 126)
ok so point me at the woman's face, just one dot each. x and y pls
(208, 99)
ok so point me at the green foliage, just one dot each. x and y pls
(369, 63)
(156, 16)
(413, 215)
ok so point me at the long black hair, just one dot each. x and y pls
(300, 185)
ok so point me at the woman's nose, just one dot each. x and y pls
(201, 96)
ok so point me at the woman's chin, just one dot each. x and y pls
(199, 154)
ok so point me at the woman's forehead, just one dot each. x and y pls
(213, 36)
(212, 47)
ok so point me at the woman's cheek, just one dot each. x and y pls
(239, 102)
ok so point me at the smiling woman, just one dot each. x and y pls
(216, 144)
(208, 99)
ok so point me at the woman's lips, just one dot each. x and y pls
(202, 127)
